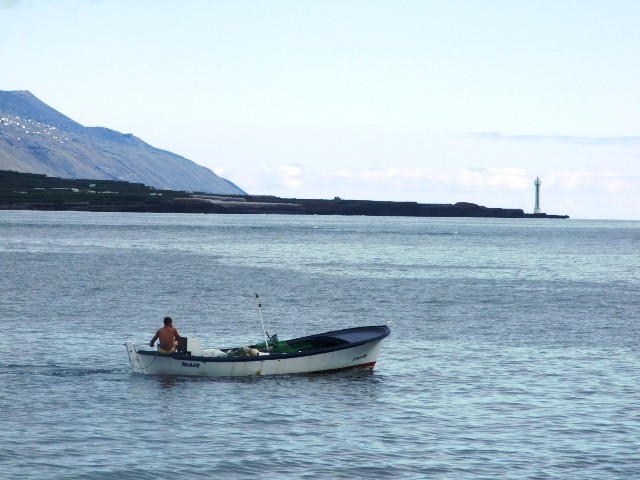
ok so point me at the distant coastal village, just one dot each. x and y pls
(28, 191)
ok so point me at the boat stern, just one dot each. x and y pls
(134, 359)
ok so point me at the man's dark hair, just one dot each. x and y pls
(167, 320)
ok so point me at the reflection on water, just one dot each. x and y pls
(167, 381)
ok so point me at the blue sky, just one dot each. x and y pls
(429, 101)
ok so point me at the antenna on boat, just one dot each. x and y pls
(266, 337)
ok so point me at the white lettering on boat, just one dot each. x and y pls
(191, 364)
(360, 357)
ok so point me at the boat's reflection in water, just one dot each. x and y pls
(167, 381)
(367, 376)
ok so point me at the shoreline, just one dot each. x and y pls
(27, 191)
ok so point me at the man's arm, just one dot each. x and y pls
(153, 340)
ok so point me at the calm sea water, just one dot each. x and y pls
(515, 347)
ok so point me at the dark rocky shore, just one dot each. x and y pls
(25, 191)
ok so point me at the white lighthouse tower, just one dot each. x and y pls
(537, 183)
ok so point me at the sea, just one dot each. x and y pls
(514, 350)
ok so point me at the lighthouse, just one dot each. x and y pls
(537, 183)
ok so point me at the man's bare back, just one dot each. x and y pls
(167, 335)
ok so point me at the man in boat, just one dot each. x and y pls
(168, 337)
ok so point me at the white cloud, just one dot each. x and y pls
(492, 178)
(291, 176)
(609, 182)
(622, 140)
(289, 171)
(385, 180)
(394, 173)
(345, 173)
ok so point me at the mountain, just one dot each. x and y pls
(35, 138)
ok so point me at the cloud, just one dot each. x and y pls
(493, 178)
(291, 176)
(395, 173)
(290, 170)
(393, 178)
(608, 182)
(626, 140)
(345, 173)
(382, 179)
(4, 4)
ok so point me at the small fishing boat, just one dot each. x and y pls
(338, 350)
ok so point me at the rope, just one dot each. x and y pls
(135, 349)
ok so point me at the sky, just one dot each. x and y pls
(428, 101)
